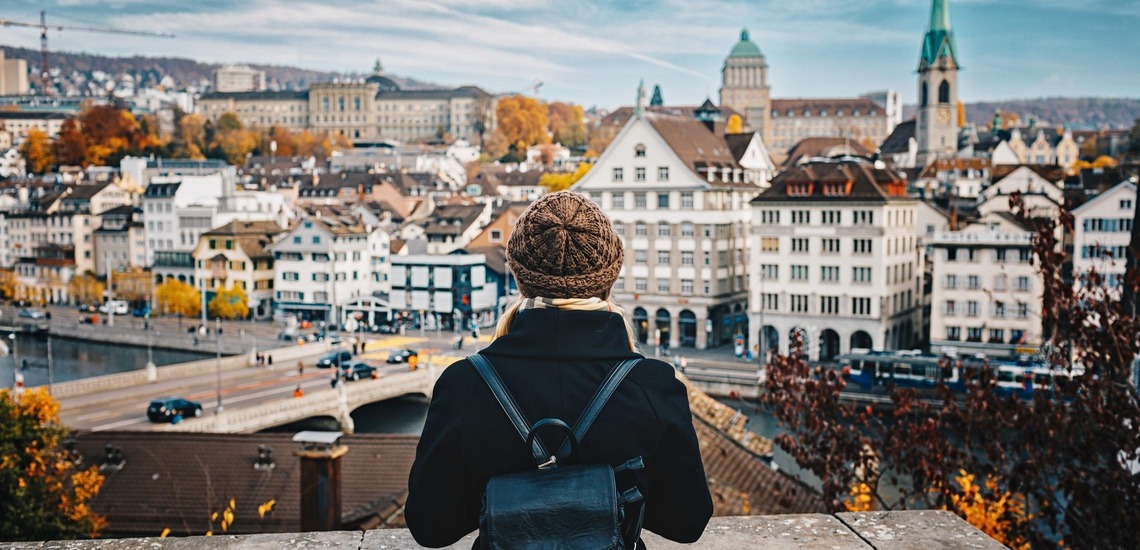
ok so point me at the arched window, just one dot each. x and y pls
(922, 95)
(356, 103)
(944, 92)
(324, 103)
(639, 150)
(340, 103)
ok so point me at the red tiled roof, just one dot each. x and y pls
(824, 147)
(864, 182)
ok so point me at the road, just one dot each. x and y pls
(125, 409)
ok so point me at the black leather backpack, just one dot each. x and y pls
(559, 504)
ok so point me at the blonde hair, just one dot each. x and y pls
(504, 325)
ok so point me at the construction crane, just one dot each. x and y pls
(45, 74)
(536, 86)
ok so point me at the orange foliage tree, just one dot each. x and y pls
(111, 133)
(998, 513)
(70, 146)
(189, 136)
(735, 125)
(522, 121)
(36, 151)
(567, 124)
(232, 141)
(43, 495)
(284, 141)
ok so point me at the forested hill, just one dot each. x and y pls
(149, 71)
(1081, 113)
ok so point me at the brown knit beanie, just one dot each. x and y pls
(564, 246)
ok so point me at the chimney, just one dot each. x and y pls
(320, 456)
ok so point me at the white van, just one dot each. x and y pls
(118, 307)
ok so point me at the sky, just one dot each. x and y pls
(595, 52)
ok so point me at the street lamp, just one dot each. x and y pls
(15, 379)
(218, 361)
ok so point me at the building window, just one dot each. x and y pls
(686, 257)
(663, 286)
(663, 257)
(663, 229)
(973, 282)
(639, 173)
(771, 217)
(799, 189)
(662, 201)
(799, 245)
(861, 306)
(953, 334)
(830, 217)
(997, 336)
(830, 246)
(618, 174)
(999, 310)
(799, 303)
(770, 301)
(686, 286)
(864, 217)
(1023, 284)
(640, 229)
(769, 272)
(687, 199)
(950, 309)
(971, 308)
(640, 256)
(316, 239)
(639, 151)
(829, 273)
(1126, 204)
(662, 173)
(496, 235)
(639, 200)
(1024, 255)
(999, 255)
(862, 246)
(951, 282)
(687, 229)
(767, 244)
(801, 217)
(1022, 310)
(829, 305)
(641, 284)
(619, 228)
(860, 274)
(974, 334)
(619, 201)
(799, 272)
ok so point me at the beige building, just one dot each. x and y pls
(237, 254)
(784, 122)
(1045, 147)
(13, 76)
(18, 123)
(239, 78)
(371, 110)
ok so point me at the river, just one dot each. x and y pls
(73, 359)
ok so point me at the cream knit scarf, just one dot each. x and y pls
(573, 304)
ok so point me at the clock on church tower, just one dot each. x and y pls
(936, 128)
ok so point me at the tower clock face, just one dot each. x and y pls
(943, 116)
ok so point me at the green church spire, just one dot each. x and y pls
(940, 16)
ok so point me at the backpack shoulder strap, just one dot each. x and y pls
(599, 400)
(507, 402)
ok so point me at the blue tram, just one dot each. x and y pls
(873, 371)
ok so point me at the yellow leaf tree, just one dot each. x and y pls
(735, 125)
(85, 289)
(46, 496)
(7, 284)
(561, 181)
(522, 120)
(36, 151)
(987, 507)
(174, 297)
(229, 303)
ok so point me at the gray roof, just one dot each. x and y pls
(899, 140)
(278, 95)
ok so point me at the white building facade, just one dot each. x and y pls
(321, 264)
(1103, 229)
(835, 260)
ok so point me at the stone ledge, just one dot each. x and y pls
(857, 531)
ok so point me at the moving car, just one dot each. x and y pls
(356, 371)
(32, 314)
(164, 409)
(118, 307)
(336, 358)
(401, 355)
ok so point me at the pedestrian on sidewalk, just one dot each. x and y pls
(300, 367)
(269, 361)
(298, 392)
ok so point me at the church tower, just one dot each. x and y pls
(937, 126)
(744, 85)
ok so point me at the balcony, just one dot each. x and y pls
(173, 259)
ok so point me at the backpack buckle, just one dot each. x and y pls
(549, 463)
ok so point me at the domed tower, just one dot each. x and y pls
(937, 126)
(744, 85)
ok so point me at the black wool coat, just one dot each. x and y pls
(552, 361)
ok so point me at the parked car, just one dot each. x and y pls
(28, 313)
(401, 355)
(164, 409)
(336, 358)
(88, 308)
(142, 312)
(118, 307)
(356, 371)
(89, 319)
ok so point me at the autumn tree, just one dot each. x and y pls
(561, 181)
(43, 493)
(7, 284)
(37, 151)
(231, 141)
(189, 136)
(174, 297)
(600, 138)
(522, 121)
(735, 125)
(70, 145)
(111, 133)
(567, 124)
(1069, 454)
(229, 303)
(133, 284)
(85, 289)
(284, 141)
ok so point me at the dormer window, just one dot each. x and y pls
(639, 151)
(823, 112)
(791, 112)
(855, 113)
(837, 189)
(800, 189)
(807, 112)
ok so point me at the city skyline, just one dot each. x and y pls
(847, 47)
